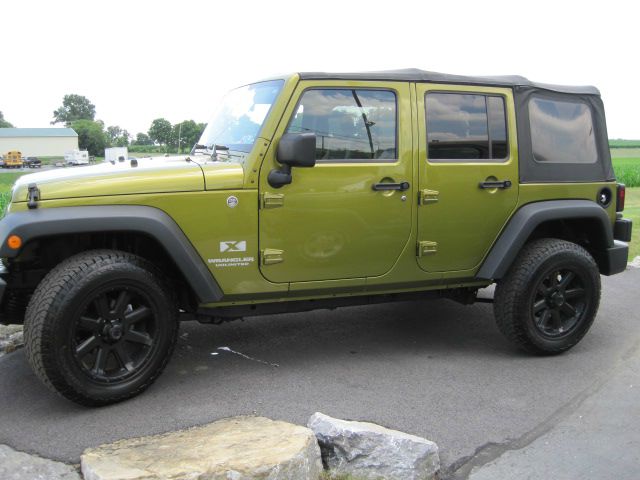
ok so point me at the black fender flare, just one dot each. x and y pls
(525, 221)
(43, 222)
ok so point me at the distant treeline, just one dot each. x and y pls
(618, 143)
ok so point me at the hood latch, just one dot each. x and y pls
(33, 196)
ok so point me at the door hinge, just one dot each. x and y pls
(271, 256)
(428, 196)
(427, 247)
(272, 200)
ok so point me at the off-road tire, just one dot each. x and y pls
(57, 301)
(521, 291)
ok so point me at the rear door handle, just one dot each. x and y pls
(496, 184)
(391, 186)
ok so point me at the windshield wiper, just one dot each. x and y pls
(208, 148)
(197, 147)
(215, 151)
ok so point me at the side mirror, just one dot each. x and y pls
(297, 149)
(294, 150)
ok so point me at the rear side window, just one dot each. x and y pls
(351, 125)
(466, 127)
(561, 132)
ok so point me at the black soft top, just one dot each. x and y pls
(531, 170)
(417, 75)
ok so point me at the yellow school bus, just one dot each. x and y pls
(13, 159)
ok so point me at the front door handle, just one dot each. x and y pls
(391, 186)
(496, 184)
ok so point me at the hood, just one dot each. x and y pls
(151, 175)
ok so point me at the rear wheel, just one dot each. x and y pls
(549, 298)
(100, 327)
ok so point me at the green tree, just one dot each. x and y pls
(3, 122)
(187, 134)
(74, 107)
(118, 136)
(161, 131)
(91, 136)
(142, 139)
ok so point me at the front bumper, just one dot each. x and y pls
(3, 288)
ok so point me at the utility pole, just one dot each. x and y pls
(179, 136)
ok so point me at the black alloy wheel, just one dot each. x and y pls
(560, 300)
(114, 335)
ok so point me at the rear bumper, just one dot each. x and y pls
(614, 259)
(622, 229)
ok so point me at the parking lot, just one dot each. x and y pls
(435, 369)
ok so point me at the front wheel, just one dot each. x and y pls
(549, 298)
(100, 327)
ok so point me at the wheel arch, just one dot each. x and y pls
(580, 221)
(114, 222)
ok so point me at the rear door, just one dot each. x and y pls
(468, 173)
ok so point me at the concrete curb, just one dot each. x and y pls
(16, 465)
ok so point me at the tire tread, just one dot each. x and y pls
(48, 299)
(509, 292)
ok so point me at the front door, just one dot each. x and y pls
(336, 220)
(468, 173)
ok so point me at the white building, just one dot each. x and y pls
(38, 142)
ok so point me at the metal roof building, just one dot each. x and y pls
(38, 142)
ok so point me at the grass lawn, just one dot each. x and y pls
(632, 211)
(625, 152)
(6, 182)
(627, 171)
(7, 179)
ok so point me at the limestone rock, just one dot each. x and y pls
(239, 448)
(22, 466)
(369, 451)
(11, 338)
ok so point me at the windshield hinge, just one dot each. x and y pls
(272, 200)
(33, 195)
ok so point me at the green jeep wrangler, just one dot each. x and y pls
(320, 190)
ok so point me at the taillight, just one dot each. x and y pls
(620, 194)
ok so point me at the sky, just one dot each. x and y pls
(137, 60)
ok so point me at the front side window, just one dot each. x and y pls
(561, 132)
(350, 124)
(462, 126)
(237, 123)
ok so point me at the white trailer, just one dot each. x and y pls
(116, 154)
(76, 157)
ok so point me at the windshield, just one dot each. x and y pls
(237, 123)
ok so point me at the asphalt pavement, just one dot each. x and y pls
(598, 439)
(434, 368)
